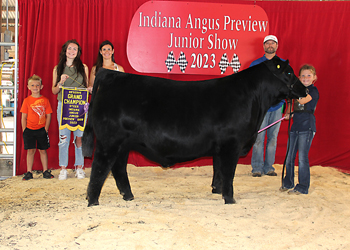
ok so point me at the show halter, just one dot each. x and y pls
(271, 124)
(285, 159)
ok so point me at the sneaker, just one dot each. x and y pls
(271, 173)
(27, 176)
(293, 191)
(256, 174)
(79, 173)
(47, 174)
(63, 175)
(283, 189)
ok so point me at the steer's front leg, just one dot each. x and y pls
(101, 166)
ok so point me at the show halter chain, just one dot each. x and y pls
(288, 142)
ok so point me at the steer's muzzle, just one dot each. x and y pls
(297, 89)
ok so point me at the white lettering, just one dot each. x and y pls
(159, 21)
(204, 24)
(244, 25)
(217, 43)
(185, 42)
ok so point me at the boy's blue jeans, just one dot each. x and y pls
(64, 140)
(299, 141)
(260, 165)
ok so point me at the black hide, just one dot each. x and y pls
(175, 121)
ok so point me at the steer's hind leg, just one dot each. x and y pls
(100, 168)
(228, 155)
(121, 176)
(217, 181)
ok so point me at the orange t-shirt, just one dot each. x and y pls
(36, 110)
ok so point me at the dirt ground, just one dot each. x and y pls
(175, 209)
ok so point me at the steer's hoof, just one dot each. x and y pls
(229, 201)
(128, 197)
(96, 203)
(216, 191)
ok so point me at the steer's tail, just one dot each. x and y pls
(88, 136)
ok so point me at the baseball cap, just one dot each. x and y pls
(270, 37)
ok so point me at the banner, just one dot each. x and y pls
(74, 108)
(195, 37)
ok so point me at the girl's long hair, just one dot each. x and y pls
(77, 63)
(99, 60)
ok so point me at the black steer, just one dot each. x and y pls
(175, 121)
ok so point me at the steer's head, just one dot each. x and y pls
(283, 71)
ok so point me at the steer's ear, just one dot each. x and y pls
(273, 64)
(276, 64)
(284, 65)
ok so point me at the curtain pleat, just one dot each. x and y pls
(317, 33)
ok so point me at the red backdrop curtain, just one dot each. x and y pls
(309, 32)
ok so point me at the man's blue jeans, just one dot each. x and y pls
(64, 140)
(299, 141)
(260, 165)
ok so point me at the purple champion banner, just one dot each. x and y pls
(74, 108)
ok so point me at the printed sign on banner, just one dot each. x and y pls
(74, 108)
(195, 38)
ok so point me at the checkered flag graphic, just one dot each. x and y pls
(182, 62)
(235, 64)
(171, 61)
(224, 63)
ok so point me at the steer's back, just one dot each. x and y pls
(183, 114)
(162, 102)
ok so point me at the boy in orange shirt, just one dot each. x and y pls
(36, 117)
